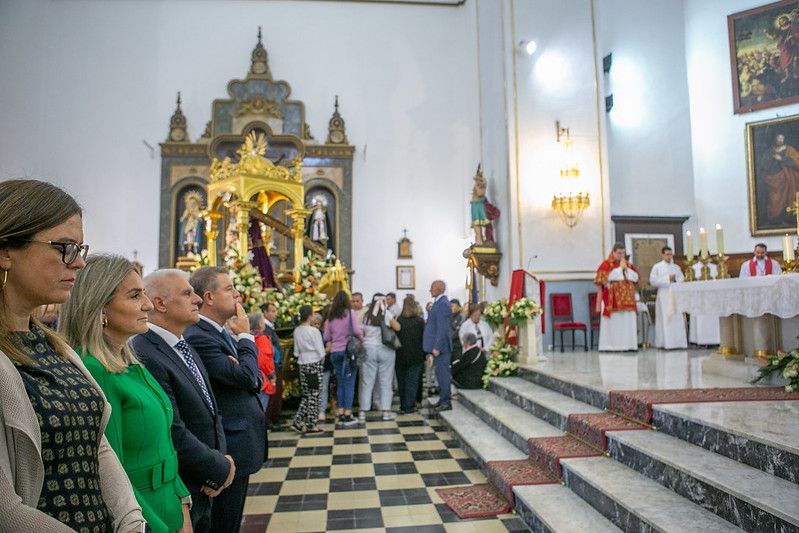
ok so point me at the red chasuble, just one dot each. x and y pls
(620, 295)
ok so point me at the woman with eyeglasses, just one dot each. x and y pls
(107, 307)
(57, 470)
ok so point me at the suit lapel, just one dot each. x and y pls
(172, 356)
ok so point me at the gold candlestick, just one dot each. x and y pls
(789, 267)
(721, 262)
(705, 276)
(689, 269)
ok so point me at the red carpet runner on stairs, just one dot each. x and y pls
(637, 404)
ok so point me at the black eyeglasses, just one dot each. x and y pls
(69, 250)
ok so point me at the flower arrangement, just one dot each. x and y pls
(784, 363)
(246, 280)
(202, 258)
(501, 362)
(523, 310)
(495, 313)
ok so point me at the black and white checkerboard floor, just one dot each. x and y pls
(380, 476)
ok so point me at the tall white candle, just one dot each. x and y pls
(787, 248)
(703, 242)
(720, 239)
(689, 245)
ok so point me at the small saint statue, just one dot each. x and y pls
(317, 226)
(191, 223)
(483, 212)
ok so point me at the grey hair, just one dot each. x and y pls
(81, 318)
(154, 281)
(469, 338)
(204, 279)
(443, 285)
(255, 320)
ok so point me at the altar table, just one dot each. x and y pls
(757, 316)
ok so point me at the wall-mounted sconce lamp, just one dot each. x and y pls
(568, 204)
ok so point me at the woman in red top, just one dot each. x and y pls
(266, 357)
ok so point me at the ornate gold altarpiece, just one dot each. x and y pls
(258, 131)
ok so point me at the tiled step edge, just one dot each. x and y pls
(755, 453)
(583, 393)
(636, 503)
(513, 423)
(554, 508)
(546, 404)
(745, 496)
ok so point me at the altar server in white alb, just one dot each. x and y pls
(617, 278)
(669, 327)
(760, 264)
(480, 329)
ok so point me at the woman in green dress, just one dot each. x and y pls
(108, 306)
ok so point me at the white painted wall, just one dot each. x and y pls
(718, 138)
(649, 129)
(557, 83)
(83, 83)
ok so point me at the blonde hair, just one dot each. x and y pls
(45, 206)
(81, 318)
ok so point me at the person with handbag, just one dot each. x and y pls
(343, 332)
(310, 353)
(381, 342)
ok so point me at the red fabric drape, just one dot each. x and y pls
(517, 290)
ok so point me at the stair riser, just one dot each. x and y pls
(771, 460)
(539, 411)
(610, 508)
(517, 440)
(572, 390)
(716, 500)
(530, 518)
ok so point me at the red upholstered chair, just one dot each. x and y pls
(595, 317)
(563, 319)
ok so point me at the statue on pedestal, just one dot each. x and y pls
(483, 212)
(317, 226)
(191, 223)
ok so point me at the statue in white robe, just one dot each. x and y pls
(669, 326)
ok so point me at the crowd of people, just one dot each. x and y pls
(149, 406)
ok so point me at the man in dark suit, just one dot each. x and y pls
(236, 381)
(196, 427)
(437, 342)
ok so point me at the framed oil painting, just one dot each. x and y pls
(773, 169)
(406, 277)
(764, 56)
(644, 250)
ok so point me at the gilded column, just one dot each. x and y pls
(211, 233)
(298, 233)
(243, 225)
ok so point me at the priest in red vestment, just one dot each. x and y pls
(616, 279)
(760, 264)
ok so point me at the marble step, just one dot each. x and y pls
(554, 508)
(745, 496)
(584, 393)
(542, 402)
(510, 421)
(634, 502)
(477, 438)
(544, 508)
(763, 435)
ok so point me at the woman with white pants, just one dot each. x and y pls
(379, 365)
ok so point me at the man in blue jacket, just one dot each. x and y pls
(437, 342)
(236, 380)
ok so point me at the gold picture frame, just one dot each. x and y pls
(772, 150)
(406, 277)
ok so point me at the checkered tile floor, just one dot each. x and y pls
(377, 477)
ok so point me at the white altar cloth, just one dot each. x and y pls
(750, 297)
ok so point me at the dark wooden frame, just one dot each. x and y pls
(738, 107)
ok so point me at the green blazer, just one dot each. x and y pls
(140, 433)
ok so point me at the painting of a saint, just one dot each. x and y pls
(764, 55)
(773, 147)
